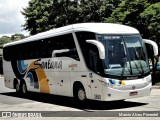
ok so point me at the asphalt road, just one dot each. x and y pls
(10, 101)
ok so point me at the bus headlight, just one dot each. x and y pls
(107, 84)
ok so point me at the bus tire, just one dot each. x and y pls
(80, 94)
(23, 88)
(17, 87)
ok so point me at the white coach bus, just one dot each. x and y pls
(97, 61)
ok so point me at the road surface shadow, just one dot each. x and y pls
(71, 102)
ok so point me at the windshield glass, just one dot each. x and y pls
(124, 55)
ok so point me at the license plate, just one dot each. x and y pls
(133, 93)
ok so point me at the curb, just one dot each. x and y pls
(155, 87)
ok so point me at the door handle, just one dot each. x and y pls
(92, 81)
(61, 80)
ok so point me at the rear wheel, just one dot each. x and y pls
(23, 88)
(17, 86)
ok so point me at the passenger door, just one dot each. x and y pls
(95, 78)
(96, 86)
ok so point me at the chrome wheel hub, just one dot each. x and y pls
(81, 95)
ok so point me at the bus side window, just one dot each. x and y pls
(42, 48)
(90, 52)
(65, 47)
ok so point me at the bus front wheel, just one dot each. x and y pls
(81, 94)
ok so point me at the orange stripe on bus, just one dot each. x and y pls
(42, 78)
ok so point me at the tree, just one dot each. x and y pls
(138, 14)
(4, 40)
(151, 18)
(128, 13)
(42, 15)
(16, 37)
(95, 10)
(37, 15)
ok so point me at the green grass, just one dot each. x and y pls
(155, 78)
(158, 83)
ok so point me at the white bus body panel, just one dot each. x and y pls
(8, 74)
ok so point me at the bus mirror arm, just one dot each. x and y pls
(100, 47)
(154, 45)
(59, 51)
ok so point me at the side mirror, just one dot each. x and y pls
(100, 47)
(154, 45)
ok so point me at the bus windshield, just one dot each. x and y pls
(125, 55)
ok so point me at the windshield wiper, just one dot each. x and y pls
(142, 71)
(123, 69)
(137, 67)
(141, 67)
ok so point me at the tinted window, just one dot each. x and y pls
(61, 46)
(89, 51)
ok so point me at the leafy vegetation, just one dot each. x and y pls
(42, 15)
(158, 84)
(6, 39)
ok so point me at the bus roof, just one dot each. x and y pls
(99, 28)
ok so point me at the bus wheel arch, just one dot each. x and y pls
(79, 91)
